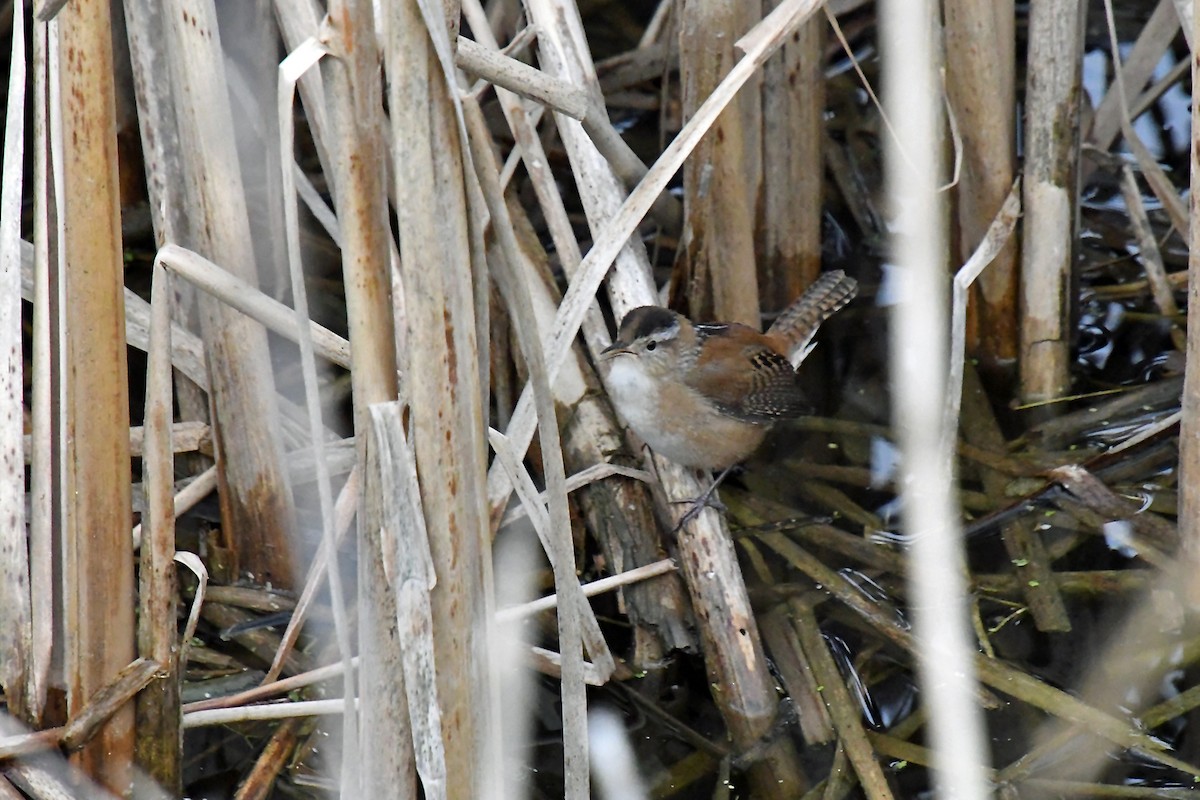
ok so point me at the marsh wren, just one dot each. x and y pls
(705, 394)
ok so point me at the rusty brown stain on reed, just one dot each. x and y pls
(451, 351)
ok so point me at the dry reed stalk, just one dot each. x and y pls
(387, 768)
(279, 687)
(491, 65)
(793, 173)
(407, 565)
(563, 96)
(577, 622)
(281, 711)
(356, 123)
(897, 748)
(792, 665)
(364, 253)
(596, 587)
(562, 51)
(980, 76)
(187, 350)
(854, 189)
(193, 564)
(722, 179)
(349, 500)
(356, 200)
(186, 437)
(1150, 257)
(1189, 427)
(97, 563)
(1156, 176)
(221, 284)
(623, 524)
(549, 663)
(997, 674)
(991, 245)
(1051, 190)
(979, 427)
(734, 658)
(1155, 91)
(297, 21)
(1026, 550)
(188, 354)
(115, 695)
(1127, 666)
(43, 406)
(16, 635)
(797, 676)
(537, 165)
(918, 373)
(844, 711)
(256, 502)
(1045, 787)
(38, 780)
(159, 736)
(1138, 67)
(8, 791)
(13, 745)
(444, 370)
(150, 56)
(1157, 179)
(85, 723)
(164, 168)
(251, 41)
(261, 642)
(618, 513)
(274, 757)
(841, 780)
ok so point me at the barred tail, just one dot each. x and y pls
(798, 323)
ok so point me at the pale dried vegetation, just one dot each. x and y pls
(301, 305)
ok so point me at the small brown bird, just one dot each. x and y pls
(705, 394)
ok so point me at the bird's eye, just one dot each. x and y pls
(652, 345)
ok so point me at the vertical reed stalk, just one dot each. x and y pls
(357, 117)
(163, 160)
(150, 55)
(793, 172)
(15, 603)
(563, 52)
(1051, 190)
(444, 389)
(919, 366)
(387, 766)
(980, 53)
(619, 513)
(514, 285)
(721, 180)
(43, 463)
(1189, 430)
(98, 557)
(159, 735)
(256, 501)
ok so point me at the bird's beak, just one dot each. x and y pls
(615, 349)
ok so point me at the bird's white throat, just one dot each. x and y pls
(635, 394)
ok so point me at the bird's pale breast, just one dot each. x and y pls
(677, 422)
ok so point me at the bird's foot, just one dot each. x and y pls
(705, 500)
